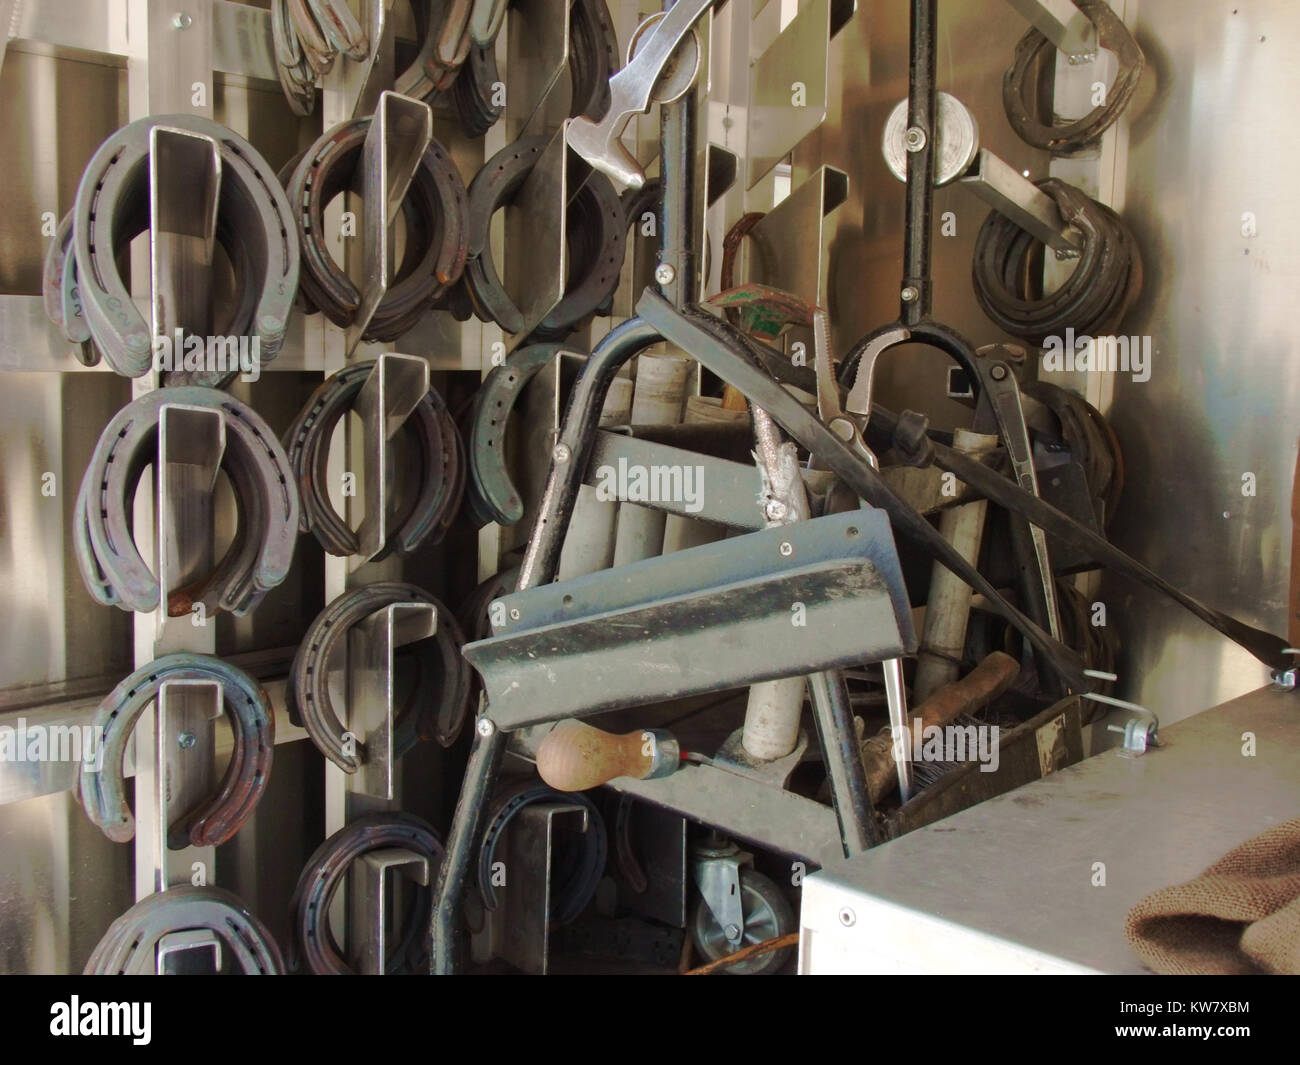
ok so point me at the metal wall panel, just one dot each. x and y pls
(1225, 381)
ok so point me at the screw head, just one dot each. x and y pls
(514, 613)
(182, 20)
(914, 138)
(847, 917)
(775, 510)
(787, 548)
(998, 373)
(186, 740)
(733, 932)
(484, 727)
(561, 453)
(911, 294)
(665, 274)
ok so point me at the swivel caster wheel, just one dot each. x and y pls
(767, 915)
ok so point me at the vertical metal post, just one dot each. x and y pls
(463, 839)
(839, 742)
(369, 916)
(183, 772)
(921, 109)
(526, 907)
(174, 743)
(677, 233)
(170, 70)
(191, 443)
(396, 141)
(390, 394)
(184, 188)
(371, 665)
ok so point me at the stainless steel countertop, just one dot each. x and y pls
(1008, 886)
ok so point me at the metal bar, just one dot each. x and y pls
(184, 187)
(393, 390)
(172, 62)
(396, 141)
(677, 273)
(370, 921)
(536, 232)
(463, 840)
(1009, 193)
(1063, 24)
(30, 343)
(746, 808)
(371, 670)
(572, 449)
(183, 774)
(241, 35)
(731, 486)
(839, 741)
(526, 913)
(626, 637)
(191, 443)
(537, 100)
(922, 110)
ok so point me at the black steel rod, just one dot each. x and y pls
(833, 714)
(676, 211)
(539, 567)
(921, 117)
(463, 840)
(542, 559)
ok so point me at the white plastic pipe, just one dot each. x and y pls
(943, 637)
(589, 542)
(657, 399)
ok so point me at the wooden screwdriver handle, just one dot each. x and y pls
(575, 756)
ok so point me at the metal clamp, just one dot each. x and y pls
(102, 791)
(138, 942)
(119, 197)
(434, 204)
(259, 472)
(318, 949)
(436, 458)
(439, 702)
(577, 885)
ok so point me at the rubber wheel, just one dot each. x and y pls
(767, 915)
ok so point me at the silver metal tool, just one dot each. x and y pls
(999, 408)
(832, 413)
(632, 90)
